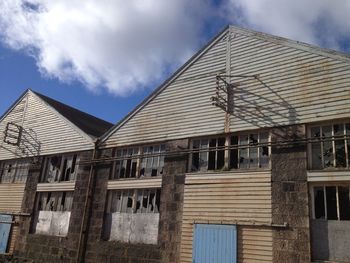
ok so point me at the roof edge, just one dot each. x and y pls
(165, 83)
(14, 104)
(292, 43)
(90, 138)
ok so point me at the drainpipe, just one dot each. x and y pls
(83, 235)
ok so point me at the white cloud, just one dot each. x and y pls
(118, 45)
(321, 22)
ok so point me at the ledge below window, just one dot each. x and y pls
(328, 176)
(135, 183)
(54, 187)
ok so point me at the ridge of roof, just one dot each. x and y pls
(229, 28)
(89, 124)
(164, 84)
(292, 43)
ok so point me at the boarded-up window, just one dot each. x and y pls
(132, 216)
(52, 213)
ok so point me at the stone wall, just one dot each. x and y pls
(99, 250)
(172, 202)
(290, 196)
(44, 248)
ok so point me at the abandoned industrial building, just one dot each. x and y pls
(243, 155)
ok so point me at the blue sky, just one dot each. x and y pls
(104, 57)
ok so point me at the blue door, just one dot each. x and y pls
(214, 244)
(4, 232)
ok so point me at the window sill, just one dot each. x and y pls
(231, 171)
(135, 183)
(54, 187)
(328, 175)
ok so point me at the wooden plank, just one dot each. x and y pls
(137, 183)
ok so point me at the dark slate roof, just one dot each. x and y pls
(87, 123)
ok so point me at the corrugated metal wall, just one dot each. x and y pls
(51, 130)
(297, 84)
(230, 198)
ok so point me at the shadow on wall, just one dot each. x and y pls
(260, 110)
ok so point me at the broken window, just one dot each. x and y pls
(52, 213)
(138, 162)
(331, 202)
(250, 151)
(134, 201)
(126, 164)
(60, 168)
(152, 162)
(14, 171)
(330, 147)
(208, 154)
(246, 151)
(132, 216)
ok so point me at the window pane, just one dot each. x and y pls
(347, 127)
(212, 154)
(339, 145)
(316, 155)
(203, 156)
(195, 156)
(344, 202)
(234, 153)
(264, 150)
(220, 163)
(319, 203)
(327, 146)
(253, 151)
(116, 201)
(243, 152)
(331, 203)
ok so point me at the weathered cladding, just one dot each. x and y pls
(183, 108)
(295, 84)
(11, 196)
(51, 130)
(230, 197)
(294, 80)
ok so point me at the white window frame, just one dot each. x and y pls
(347, 149)
(135, 194)
(228, 151)
(69, 157)
(324, 185)
(18, 168)
(141, 158)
